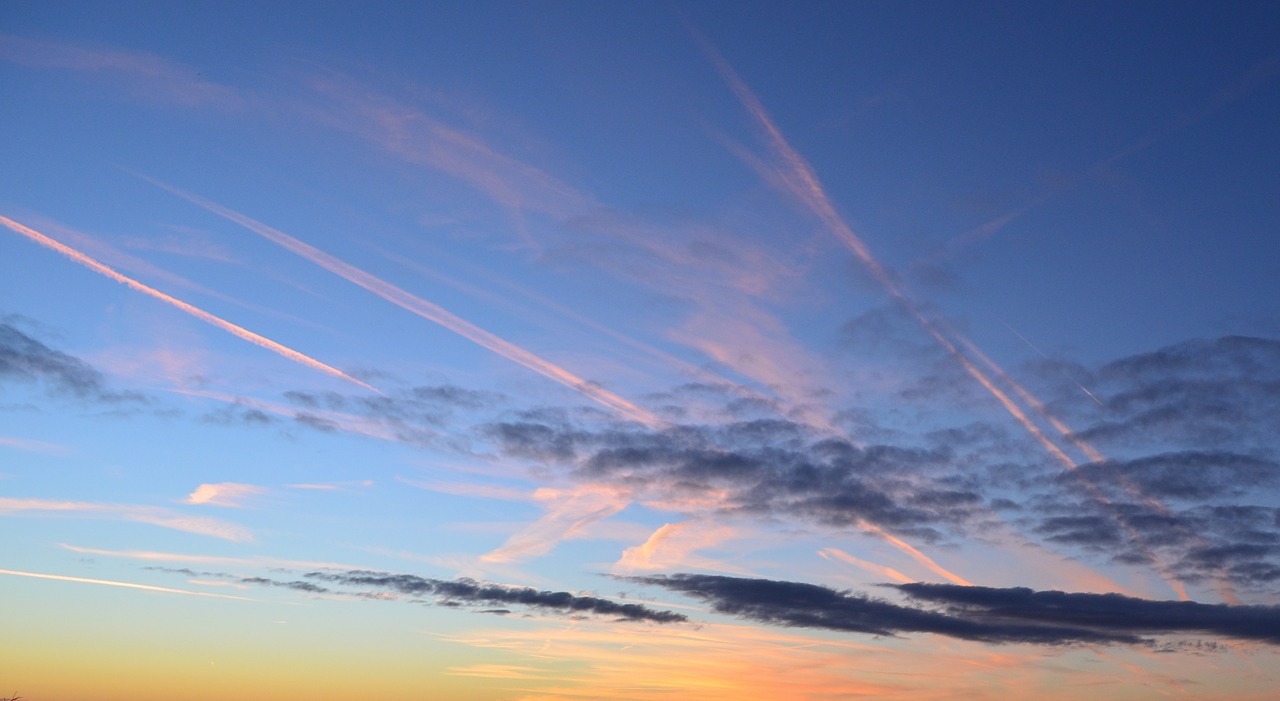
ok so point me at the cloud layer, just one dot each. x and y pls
(986, 614)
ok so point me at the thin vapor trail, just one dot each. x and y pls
(838, 554)
(198, 313)
(916, 554)
(800, 179)
(129, 585)
(1033, 401)
(1033, 347)
(426, 310)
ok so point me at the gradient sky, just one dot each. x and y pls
(564, 350)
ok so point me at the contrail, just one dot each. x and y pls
(426, 310)
(130, 585)
(883, 571)
(1033, 347)
(198, 313)
(801, 180)
(1034, 401)
(915, 554)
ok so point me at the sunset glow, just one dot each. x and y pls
(634, 351)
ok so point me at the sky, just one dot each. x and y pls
(571, 350)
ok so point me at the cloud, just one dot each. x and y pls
(147, 75)
(673, 546)
(1192, 424)
(154, 515)
(34, 446)
(416, 137)
(25, 359)
(1108, 612)
(1184, 475)
(766, 467)
(1219, 394)
(568, 514)
(469, 592)
(224, 494)
(256, 561)
(985, 614)
(801, 605)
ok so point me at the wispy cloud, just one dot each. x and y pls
(569, 513)
(710, 662)
(147, 75)
(415, 137)
(198, 313)
(34, 446)
(232, 494)
(196, 558)
(154, 515)
(332, 486)
(673, 546)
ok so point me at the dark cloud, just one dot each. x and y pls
(986, 614)
(452, 593)
(296, 585)
(764, 467)
(414, 416)
(801, 605)
(1113, 613)
(1195, 475)
(24, 359)
(236, 414)
(1192, 470)
(1221, 394)
(467, 591)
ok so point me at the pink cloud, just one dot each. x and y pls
(230, 494)
(153, 515)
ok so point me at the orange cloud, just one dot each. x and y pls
(569, 513)
(671, 547)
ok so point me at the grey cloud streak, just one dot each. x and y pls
(984, 614)
(451, 592)
(26, 359)
(468, 591)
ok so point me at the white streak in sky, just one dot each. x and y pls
(198, 313)
(426, 310)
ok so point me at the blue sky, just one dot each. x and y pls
(605, 350)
